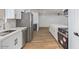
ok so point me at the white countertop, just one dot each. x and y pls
(17, 29)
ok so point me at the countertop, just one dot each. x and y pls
(17, 29)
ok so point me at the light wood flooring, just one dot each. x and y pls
(42, 40)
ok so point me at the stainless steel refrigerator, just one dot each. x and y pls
(26, 21)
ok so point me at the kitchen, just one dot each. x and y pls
(19, 25)
(34, 29)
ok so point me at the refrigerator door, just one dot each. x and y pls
(29, 34)
(30, 28)
(26, 21)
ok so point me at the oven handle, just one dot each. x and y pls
(76, 34)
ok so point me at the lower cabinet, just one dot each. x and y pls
(19, 36)
(12, 42)
(9, 42)
(54, 30)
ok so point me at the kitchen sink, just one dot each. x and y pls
(6, 32)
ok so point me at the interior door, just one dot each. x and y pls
(73, 25)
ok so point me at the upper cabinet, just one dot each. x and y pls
(13, 13)
(66, 12)
(18, 13)
(10, 13)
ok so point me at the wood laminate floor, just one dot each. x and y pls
(42, 40)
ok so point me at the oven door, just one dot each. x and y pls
(63, 41)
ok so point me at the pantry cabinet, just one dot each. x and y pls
(10, 13)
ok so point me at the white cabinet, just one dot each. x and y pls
(18, 13)
(13, 13)
(10, 13)
(19, 41)
(9, 42)
(53, 29)
(12, 42)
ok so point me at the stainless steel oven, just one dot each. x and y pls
(63, 38)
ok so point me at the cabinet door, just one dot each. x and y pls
(7, 43)
(18, 13)
(10, 42)
(10, 13)
(18, 42)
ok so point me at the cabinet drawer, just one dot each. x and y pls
(9, 43)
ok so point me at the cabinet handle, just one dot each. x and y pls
(15, 41)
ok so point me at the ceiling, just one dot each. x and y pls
(48, 11)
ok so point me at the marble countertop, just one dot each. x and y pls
(16, 30)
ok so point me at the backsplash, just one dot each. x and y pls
(10, 24)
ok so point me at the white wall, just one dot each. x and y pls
(46, 20)
(36, 19)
